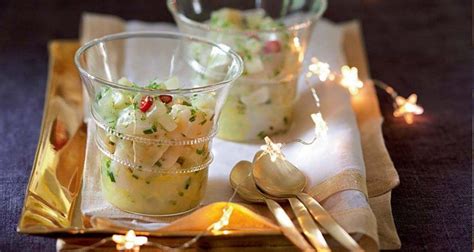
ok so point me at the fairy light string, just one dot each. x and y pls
(348, 78)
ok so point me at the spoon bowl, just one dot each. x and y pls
(278, 178)
(242, 181)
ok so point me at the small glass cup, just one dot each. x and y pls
(154, 135)
(261, 101)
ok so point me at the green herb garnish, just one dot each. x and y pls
(150, 130)
(200, 151)
(187, 184)
(185, 103)
(135, 176)
(203, 122)
(111, 176)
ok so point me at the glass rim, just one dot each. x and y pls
(294, 27)
(170, 35)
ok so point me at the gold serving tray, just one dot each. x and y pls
(52, 200)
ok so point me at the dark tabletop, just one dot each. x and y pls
(421, 46)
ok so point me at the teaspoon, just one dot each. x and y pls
(282, 179)
(242, 181)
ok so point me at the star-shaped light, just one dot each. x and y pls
(407, 108)
(129, 241)
(321, 69)
(320, 125)
(224, 220)
(272, 149)
(350, 79)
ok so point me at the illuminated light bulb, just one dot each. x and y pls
(331, 77)
(321, 69)
(272, 149)
(224, 220)
(320, 126)
(350, 79)
(407, 108)
(129, 241)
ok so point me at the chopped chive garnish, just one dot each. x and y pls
(192, 118)
(150, 130)
(187, 184)
(158, 163)
(200, 151)
(203, 122)
(111, 176)
(155, 85)
(285, 120)
(185, 103)
(181, 194)
(108, 162)
(135, 176)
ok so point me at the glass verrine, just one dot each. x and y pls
(271, 36)
(155, 99)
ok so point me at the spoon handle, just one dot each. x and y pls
(287, 226)
(328, 222)
(310, 228)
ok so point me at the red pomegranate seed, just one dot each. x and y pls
(166, 98)
(272, 46)
(146, 103)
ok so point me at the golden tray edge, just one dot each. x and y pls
(52, 199)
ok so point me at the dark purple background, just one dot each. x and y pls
(421, 46)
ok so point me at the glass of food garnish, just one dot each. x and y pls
(271, 36)
(155, 104)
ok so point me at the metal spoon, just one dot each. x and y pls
(242, 181)
(307, 224)
(282, 179)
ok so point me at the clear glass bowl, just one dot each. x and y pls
(155, 126)
(261, 101)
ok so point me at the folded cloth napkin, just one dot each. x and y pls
(335, 167)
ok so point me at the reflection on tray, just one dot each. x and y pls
(55, 181)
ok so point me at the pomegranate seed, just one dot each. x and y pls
(166, 98)
(146, 103)
(272, 46)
